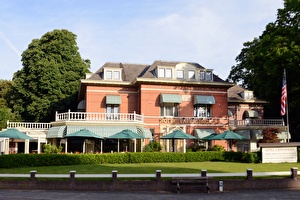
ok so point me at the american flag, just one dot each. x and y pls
(283, 97)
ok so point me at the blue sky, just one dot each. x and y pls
(208, 32)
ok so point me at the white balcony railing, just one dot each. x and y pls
(89, 116)
(29, 125)
(256, 122)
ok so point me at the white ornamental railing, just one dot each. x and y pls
(29, 125)
(90, 116)
(256, 122)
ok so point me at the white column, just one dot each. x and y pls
(134, 145)
(83, 150)
(118, 146)
(101, 146)
(6, 145)
(38, 145)
(26, 148)
(184, 146)
(66, 146)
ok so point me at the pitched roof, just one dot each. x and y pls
(132, 71)
(234, 95)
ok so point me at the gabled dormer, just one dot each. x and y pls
(247, 95)
(113, 74)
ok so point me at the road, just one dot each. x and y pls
(92, 195)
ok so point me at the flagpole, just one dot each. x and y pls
(287, 109)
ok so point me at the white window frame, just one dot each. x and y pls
(191, 74)
(169, 110)
(180, 74)
(202, 110)
(168, 72)
(161, 72)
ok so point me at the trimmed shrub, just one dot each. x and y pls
(31, 160)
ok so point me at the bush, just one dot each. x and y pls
(153, 147)
(49, 149)
(32, 160)
(218, 148)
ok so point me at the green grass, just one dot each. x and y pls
(150, 168)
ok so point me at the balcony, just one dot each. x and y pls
(256, 124)
(29, 125)
(99, 117)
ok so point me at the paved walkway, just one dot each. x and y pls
(69, 195)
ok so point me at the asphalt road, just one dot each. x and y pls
(92, 195)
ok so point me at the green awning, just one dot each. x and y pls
(244, 133)
(202, 99)
(201, 133)
(81, 105)
(170, 98)
(107, 131)
(256, 134)
(56, 132)
(113, 99)
(251, 114)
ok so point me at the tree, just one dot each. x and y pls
(270, 135)
(49, 79)
(261, 63)
(5, 111)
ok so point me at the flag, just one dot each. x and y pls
(283, 96)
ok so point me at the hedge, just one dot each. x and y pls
(32, 160)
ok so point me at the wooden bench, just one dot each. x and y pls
(191, 184)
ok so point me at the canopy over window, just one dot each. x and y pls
(250, 114)
(202, 99)
(81, 105)
(113, 99)
(170, 98)
(201, 133)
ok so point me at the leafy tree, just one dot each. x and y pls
(5, 111)
(270, 135)
(49, 79)
(261, 63)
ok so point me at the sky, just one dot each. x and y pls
(208, 32)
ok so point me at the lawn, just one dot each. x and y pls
(150, 168)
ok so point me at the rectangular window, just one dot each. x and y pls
(180, 74)
(169, 109)
(161, 73)
(168, 73)
(202, 75)
(202, 110)
(208, 76)
(116, 75)
(191, 74)
(108, 74)
(112, 111)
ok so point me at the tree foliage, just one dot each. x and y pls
(49, 79)
(261, 62)
(270, 135)
(5, 112)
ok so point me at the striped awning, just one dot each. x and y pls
(107, 131)
(202, 99)
(56, 132)
(170, 98)
(204, 132)
(113, 99)
(251, 114)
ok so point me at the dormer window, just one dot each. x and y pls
(165, 73)
(112, 74)
(180, 74)
(206, 75)
(191, 74)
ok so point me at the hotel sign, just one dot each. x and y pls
(279, 154)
